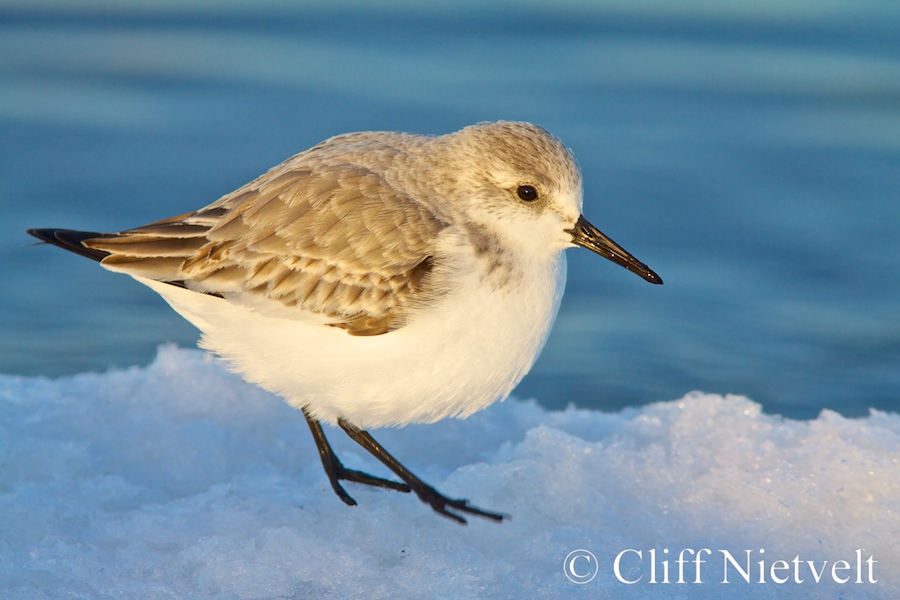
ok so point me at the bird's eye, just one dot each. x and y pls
(528, 193)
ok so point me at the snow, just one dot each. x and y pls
(179, 480)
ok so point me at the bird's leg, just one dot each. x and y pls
(337, 471)
(427, 494)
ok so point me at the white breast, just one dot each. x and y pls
(466, 351)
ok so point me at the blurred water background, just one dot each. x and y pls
(748, 151)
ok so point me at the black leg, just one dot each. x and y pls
(427, 494)
(336, 471)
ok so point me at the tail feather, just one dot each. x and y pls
(70, 240)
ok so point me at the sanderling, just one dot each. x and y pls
(377, 279)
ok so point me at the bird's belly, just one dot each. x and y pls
(453, 359)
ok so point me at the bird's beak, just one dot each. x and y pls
(587, 236)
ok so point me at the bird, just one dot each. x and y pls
(377, 279)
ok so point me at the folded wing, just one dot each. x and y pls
(335, 241)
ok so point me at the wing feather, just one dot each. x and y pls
(335, 240)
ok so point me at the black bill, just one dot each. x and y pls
(587, 236)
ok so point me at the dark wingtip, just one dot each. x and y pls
(71, 240)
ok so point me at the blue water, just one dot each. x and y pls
(749, 152)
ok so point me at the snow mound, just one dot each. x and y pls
(179, 480)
